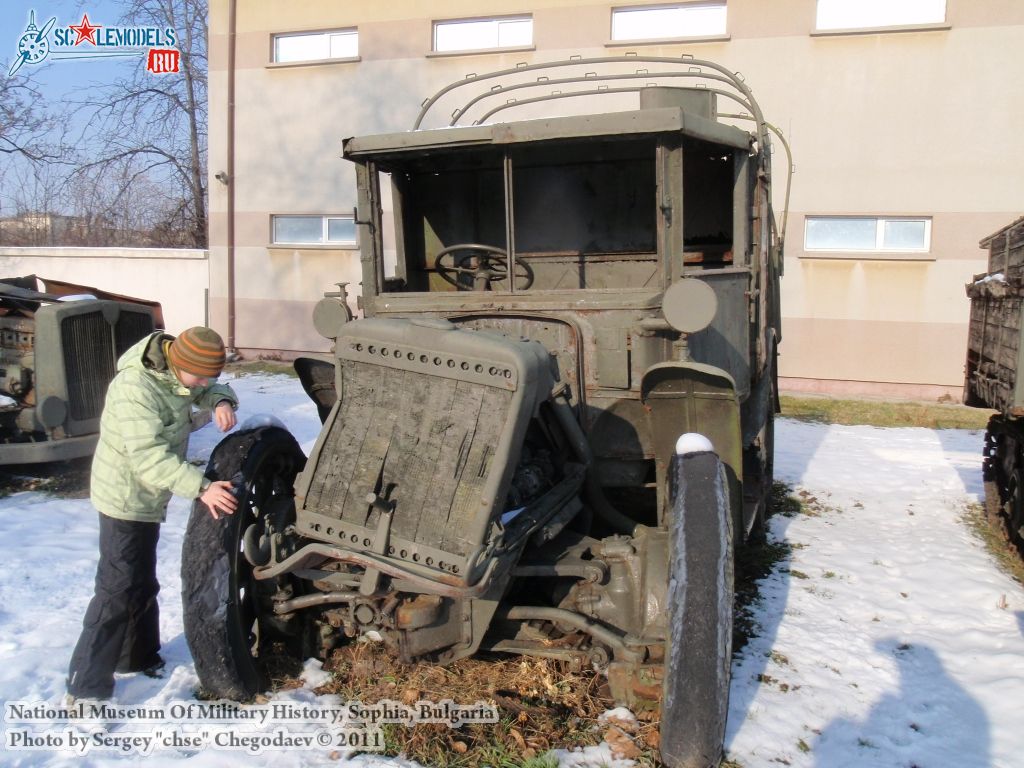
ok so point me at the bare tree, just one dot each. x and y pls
(25, 126)
(149, 130)
(30, 143)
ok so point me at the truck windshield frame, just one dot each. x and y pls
(580, 214)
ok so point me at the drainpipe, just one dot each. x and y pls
(232, 13)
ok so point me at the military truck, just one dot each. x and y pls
(552, 424)
(59, 345)
(993, 379)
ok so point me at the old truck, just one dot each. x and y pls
(993, 375)
(553, 423)
(59, 345)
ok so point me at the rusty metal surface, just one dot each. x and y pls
(637, 686)
(995, 349)
(429, 582)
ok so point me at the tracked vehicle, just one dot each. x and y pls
(993, 375)
(554, 303)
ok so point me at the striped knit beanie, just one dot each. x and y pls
(199, 351)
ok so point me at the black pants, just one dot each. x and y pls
(121, 629)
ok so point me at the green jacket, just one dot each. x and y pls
(144, 431)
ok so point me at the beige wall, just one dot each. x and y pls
(176, 277)
(889, 123)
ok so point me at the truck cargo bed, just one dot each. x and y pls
(994, 345)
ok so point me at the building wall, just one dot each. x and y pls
(894, 123)
(176, 277)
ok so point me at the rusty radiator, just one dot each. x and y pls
(429, 423)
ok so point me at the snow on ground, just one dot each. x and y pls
(892, 640)
(889, 639)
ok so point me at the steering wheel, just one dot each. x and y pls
(484, 264)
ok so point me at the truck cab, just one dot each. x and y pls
(573, 231)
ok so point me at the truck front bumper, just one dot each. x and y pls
(48, 450)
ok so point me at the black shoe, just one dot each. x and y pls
(72, 700)
(156, 669)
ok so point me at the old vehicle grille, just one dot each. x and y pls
(423, 442)
(417, 456)
(85, 341)
(90, 355)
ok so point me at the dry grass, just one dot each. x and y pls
(879, 413)
(261, 366)
(993, 536)
(542, 704)
(755, 561)
(68, 479)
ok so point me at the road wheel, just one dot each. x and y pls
(229, 623)
(1013, 508)
(698, 653)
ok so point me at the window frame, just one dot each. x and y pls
(723, 34)
(880, 25)
(879, 247)
(497, 20)
(276, 36)
(324, 242)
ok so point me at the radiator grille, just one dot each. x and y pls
(130, 327)
(88, 363)
(429, 439)
(90, 352)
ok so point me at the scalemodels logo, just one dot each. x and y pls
(89, 40)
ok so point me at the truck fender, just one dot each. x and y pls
(681, 397)
(317, 376)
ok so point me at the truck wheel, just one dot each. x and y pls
(698, 653)
(229, 623)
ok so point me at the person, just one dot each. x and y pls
(138, 465)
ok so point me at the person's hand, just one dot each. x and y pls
(224, 416)
(219, 499)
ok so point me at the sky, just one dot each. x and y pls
(60, 83)
(57, 79)
(888, 638)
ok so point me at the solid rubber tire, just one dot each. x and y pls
(210, 551)
(698, 654)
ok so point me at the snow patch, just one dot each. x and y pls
(997, 277)
(693, 442)
(618, 716)
(262, 420)
(314, 675)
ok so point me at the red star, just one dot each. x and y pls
(86, 32)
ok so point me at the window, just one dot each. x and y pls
(313, 230)
(316, 46)
(860, 14)
(867, 233)
(666, 21)
(478, 34)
